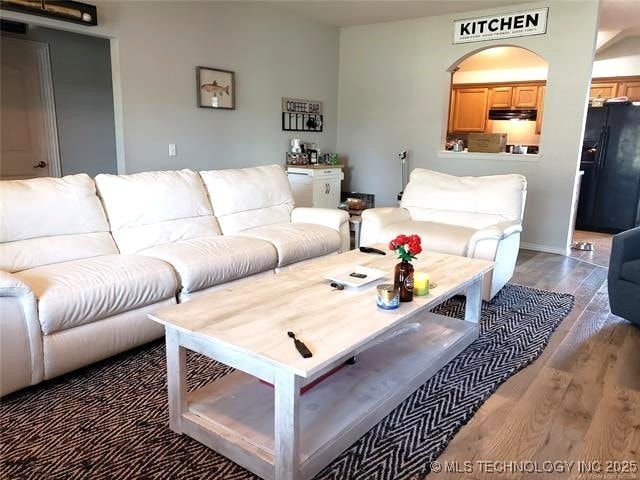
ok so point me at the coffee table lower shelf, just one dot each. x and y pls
(235, 415)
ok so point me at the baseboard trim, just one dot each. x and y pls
(545, 248)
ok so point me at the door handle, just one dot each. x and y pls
(40, 164)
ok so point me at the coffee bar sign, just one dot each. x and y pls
(299, 115)
(496, 27)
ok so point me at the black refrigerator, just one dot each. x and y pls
(610, 191)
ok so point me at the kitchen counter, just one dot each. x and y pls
(510, 157)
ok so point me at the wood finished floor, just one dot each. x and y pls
(580, 401)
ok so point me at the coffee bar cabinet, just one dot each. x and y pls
(316, 185)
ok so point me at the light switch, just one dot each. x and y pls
(172, 149)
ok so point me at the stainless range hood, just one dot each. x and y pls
(503, 114)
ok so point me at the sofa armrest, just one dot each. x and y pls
(625, 246)
(496, 232)
(12, 286)
(21, 357)
(333, 218)
(375, 219)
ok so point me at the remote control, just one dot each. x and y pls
(372, 250)
(300, 346)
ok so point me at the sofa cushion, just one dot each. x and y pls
(475, 202)
(630, 271)
(82, 291)
(204, 262)
(436, 237)
(153, 208)
(249, 197)
(49, 220)
(297, 241)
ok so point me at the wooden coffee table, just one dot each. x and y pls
(274, 431)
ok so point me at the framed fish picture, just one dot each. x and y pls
(216, 88)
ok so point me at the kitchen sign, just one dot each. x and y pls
(496, 27)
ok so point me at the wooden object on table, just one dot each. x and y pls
(274, 432)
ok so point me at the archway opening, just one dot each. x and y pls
(498, 92)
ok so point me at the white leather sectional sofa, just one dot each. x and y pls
(82, 262)
(479, 217)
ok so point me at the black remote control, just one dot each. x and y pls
(300, 346)
(372, 250)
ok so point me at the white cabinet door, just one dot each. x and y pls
(326, 193)
(302, 189)
(316, 188)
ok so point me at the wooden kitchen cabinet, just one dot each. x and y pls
(500, 97)
(452, 103)
(470, 103)
(540, 109)
(525, 96)
(470, 109)
(604, 90)
(630, 89)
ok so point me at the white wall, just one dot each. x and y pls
(620, 60)
(394, 91)
(157, 48)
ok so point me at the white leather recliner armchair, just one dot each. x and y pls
(479, 217)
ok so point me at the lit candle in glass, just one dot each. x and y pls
(420, 283)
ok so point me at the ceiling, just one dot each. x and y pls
(618, 18)
(362, 12)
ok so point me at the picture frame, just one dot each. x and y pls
(215, 88)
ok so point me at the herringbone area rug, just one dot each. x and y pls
(110, 421)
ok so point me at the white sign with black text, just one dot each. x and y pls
(496, 27)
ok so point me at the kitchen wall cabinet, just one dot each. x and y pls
(603, 90)
(540, 108)
(616, 87)
(630, 89)
(525, 96)
(500, 97)
(452, 102)
(316, 186)
(470, 103)
(470, 110)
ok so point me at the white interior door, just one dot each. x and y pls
(28, 133)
